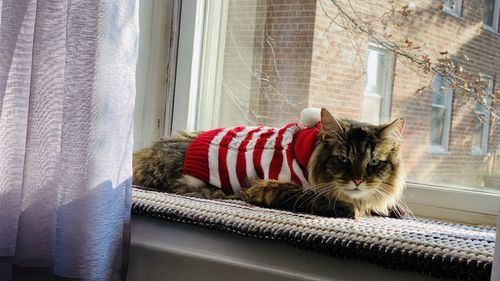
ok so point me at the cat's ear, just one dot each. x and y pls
(394, 130)
(329, 124)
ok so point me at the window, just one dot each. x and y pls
(453, 7)
(261, 62)
(482, 122)
(491, 15)
(440, 115)
(378, 85)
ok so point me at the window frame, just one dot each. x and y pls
(448, 106)
(185, 113)
(430, 201)
(386, 97)
(457, 12)
(495, 28)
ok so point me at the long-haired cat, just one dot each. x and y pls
(340, 168)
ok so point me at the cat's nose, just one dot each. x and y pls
(357, 182)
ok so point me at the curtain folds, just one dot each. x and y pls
(67, 90)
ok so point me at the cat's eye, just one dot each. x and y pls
(374, 162)
(342, 159)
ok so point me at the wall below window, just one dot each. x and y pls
(163, 250)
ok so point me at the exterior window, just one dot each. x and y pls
(261, 62)
(440, 115)
(491, 14)
(453, 7)
(378, 86)
(481, 125)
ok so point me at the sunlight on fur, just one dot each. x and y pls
(324, 165)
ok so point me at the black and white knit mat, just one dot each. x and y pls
(434, 248)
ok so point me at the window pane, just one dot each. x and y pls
(280, 57)
(437, 125)
(438, 98)
(477, 135)
(439, 90)
(437, 83)
(489, 6)
(371, 109)
(372, 72)
(453, 5)
(376, 92)
(243, 64)
(480, 108)
(498, 19)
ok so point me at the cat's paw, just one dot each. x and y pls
(269, 193)
(400, 212)
(396, 212)
(260, 192)
(341, 210)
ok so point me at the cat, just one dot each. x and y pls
(340, 168)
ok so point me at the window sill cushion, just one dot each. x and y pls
(440, 249)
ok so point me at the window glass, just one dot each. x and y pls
(437, 125)
(481, 125)
(377, 91)
(453, 6)
(438, 98)
(477, 137)
(280, 57)
(373, 74)
(489, 7)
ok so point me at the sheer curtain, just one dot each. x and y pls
(67, 89)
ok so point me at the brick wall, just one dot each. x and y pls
(335, 83)
(243, 49)
(267, 61)
(306, 61)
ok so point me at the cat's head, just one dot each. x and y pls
(358, 162)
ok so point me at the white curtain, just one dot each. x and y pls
(67, 89)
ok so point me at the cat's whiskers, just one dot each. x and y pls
(402, 209)
(316, 191)
(337, 134)
(325, 190)
(312, 190)
(405, 206)
(336, 198)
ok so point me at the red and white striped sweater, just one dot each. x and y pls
(227, 157)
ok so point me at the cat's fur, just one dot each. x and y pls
(347, 153)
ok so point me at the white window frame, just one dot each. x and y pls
(185, 113)
(436, 202)
(496, 18)
(386, 96)
(199, 78)
(211, 64)
(483, 149)
(457, 11)
(448, 101)
(155, 74)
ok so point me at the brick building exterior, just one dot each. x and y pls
(286, 55)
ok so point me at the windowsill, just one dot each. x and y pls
(161, 244)
(491, 30)
(438, 150)
(475, 152)
(462, 205)
(167, 250)
(452, 13)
